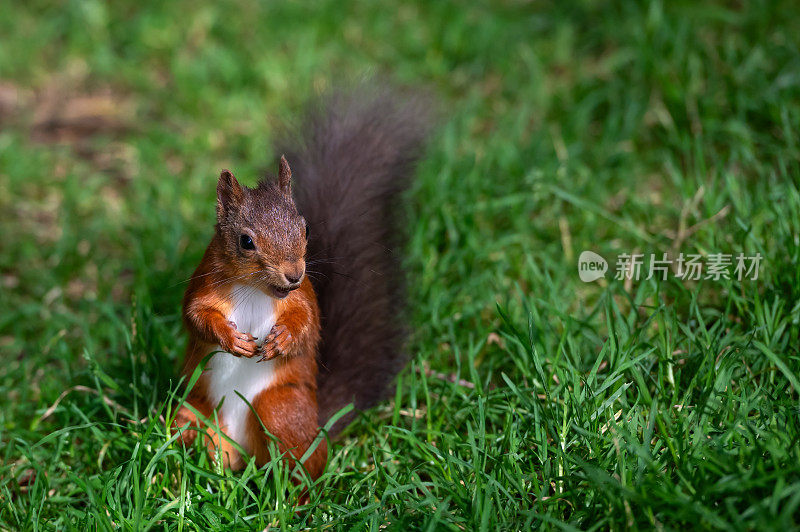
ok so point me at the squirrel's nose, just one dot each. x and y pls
(294, 277)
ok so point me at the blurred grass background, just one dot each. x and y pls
(533, 399)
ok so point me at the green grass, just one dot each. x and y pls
(533, 399)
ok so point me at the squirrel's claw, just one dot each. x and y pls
(243, 346)
(267, 352)
(276, 343)
(240, 344)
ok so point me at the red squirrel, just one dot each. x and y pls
(252, 306)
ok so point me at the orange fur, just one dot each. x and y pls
(287, 406)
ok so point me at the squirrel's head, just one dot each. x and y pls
(263, 235)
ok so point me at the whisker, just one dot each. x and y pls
(230, 279)
(193, 277)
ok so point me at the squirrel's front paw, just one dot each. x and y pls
(239, 343)
(276, 343)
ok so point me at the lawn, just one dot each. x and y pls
(533, 399)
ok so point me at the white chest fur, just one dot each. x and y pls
(253, 312)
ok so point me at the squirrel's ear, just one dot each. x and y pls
(229, 193)
(285, 176)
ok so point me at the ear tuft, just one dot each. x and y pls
(229, 194)
(285, 176)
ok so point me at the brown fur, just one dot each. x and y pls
(355, 158)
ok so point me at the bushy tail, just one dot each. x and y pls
(356, 156)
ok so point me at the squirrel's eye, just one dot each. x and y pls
(246, 242)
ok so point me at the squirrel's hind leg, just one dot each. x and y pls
(289, 412)
(219, 447)
(189, 425)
